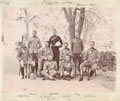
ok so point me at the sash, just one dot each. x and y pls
(32, 41)
(54, 37)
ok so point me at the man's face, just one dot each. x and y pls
(66, 45)
(50, 57)
(76, 35)
(92, 44)
(54, 32)
(34, 33)
(46, 44)
(67, 58)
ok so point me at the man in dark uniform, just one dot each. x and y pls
(55, 43)
(77, 48)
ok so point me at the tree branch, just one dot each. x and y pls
(66, 13)
(81, 20)
(34, 18)
(25, 10)
(70, 12)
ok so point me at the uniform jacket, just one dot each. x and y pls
(53, 40)
(22, 54)
(91, 54)
(45, 52)
(34, 44)
(50, 65)
(77, 46)
(68, 66)
(64, 52)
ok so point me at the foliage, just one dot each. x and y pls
(107, 60)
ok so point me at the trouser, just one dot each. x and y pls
(49, 74)
(70, 74)
(40, 66)
(34, 57)
(77, 57)
(56, 54)
(91, 68)
(27, 70)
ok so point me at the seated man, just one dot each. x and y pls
(49, 69)
(67, 69)
(43, 56)
(65, 51)
(90, 61)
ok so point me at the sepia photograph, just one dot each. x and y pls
(59, 49)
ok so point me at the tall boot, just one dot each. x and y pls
(91, 73)
(81, 75)
(81, 78)
(32, 69)
(36, 68)
(22, 72)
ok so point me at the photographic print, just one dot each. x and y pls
(59, 49)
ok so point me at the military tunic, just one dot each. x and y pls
(64, 52)
(45, 52)
(68, 67)
(34, 44)
(50, 65)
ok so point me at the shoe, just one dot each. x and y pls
(53, 79)
(43, 78)
(91, 73)
(59, 78)
(22, 77)
(68, 79)
(25, 76)
(81, 79)
(65, 78)
(88, 79)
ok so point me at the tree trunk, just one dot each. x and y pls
(27, 22)
(81, 20)
(71, 31)
(27, 30)
(71, 21)
(70, 17)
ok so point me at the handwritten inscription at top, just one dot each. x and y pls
(64, 3)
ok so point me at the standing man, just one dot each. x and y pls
(22, 56)
(77, 48)
(34, 44)
(90, 61)
(55, 43)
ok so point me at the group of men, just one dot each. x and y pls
(51, 63)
